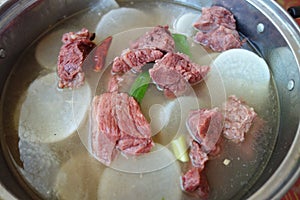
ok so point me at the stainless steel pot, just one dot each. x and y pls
(265, 23)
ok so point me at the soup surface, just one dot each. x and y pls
(47, 129)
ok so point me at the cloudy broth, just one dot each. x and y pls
(48, 167)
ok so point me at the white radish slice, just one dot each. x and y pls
(47, 113)
(119, 20)
(47, 50)
(243, 73)
(78, 178)
(184, 24)
(158, 184)
(39, 164)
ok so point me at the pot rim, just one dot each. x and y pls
(289, 170)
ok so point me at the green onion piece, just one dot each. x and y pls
(180, 149)
(182, 44)
(140, 86)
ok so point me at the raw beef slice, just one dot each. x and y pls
(118, 124)
(134, 59)
(213, 17)
(205, 126)
(174, 71)
(159, 38)
(71, 56)
(238, 119)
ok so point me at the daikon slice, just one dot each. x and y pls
(184, 24)
(78, 178)
(119, 20)
(243, 73)
(47, 113)
(161, 183)
(39, 163)
(47, 50)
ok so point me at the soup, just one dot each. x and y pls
(54, 167)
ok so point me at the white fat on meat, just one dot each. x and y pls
(161, 182)
(47, 113)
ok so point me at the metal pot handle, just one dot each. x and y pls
(294, 11)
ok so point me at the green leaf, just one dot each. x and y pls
(140, 86)
(182, 44)
(180, 149)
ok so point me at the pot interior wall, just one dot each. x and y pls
(274, 46)
(17, 33)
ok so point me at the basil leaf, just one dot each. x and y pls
(140, 86)
(182, 44)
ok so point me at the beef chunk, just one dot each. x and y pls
(203, 189)
(197, 155)
(217, 29)
(170, 80)
(117, 123)
(238, 119)
(159, 38)
(134, 59)
(174, 71)
(220, 39)
(195, 181)
(191, 180)
(214, 17)
(205, 126)
(71, 56)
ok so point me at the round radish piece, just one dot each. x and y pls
(78, 178)
(184, 24)
(39, 163)
(47, 50)
(119, 20)
(243, 74)
(158, 184)
(47, 113)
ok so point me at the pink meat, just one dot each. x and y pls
(205, 126)
(213, 17)
(71, 56)
(159, 38)
(219, 39)
(197, 155)
(117, 123)
(174, 71)
(191, 180)
(134, 59)
(195, 181)
(170, 80)
(217, 29)
(238, 119)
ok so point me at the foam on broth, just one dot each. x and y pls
(246, 161)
